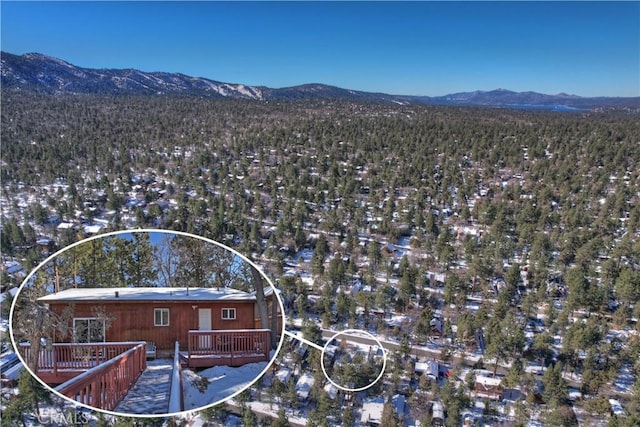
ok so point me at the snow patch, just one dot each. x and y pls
(218, 383)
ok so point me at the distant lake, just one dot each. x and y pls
(562, 108)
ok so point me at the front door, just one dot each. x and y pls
(204, 324)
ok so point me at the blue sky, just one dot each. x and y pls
(417, 48)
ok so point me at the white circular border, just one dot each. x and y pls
(361, 332)
(146, 230)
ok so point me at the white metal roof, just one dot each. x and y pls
(148, 294)
(372, 410)
(304, 384)
(486, 381)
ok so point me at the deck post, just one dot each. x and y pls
(267, 348)
(54, 356)
(232, 345)
(95, 394)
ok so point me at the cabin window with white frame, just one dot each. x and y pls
(228, 313)
(160, 317)
(88, 329)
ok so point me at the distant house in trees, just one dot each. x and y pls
(12, 267)
(283, 375)
(45, 245)
(372, 411)
(436, 278)
(304, 384)
(512, 395)
(437, 414)
(437, 327)
(616, 408)
(498, 284)
(430, 368)
(373, 408)
(488, 387)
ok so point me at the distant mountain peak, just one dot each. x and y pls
(566, 95)
(42, 57)
(42, 73)
(36, 55)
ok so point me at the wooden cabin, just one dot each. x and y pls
(437, 414)
(159, 315)
(488, 387)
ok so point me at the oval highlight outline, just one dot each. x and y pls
(147, 230)
(359, 331)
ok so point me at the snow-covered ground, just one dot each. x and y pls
(221, 382)
(624, 380)
(396, 320)
(263, 408)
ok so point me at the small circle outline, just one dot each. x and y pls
(358, 331)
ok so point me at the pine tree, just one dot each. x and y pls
(249, 419)
(555, 387)
(141, 269)
(282, 420)
(389, 415)
(348, 417)
(33, 393)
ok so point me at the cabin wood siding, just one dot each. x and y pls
(134, 321)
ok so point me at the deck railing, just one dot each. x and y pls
(104, 386)
(176, 398)
(231, 343)
(75, 356)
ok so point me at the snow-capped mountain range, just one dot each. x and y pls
(42, 73)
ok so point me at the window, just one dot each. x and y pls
(160, 317)
(228, 313)
(88, 329)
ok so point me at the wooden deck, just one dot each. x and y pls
(235, 347)
(150, 394)
(105, 385)
(60, 362)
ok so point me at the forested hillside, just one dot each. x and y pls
(524, 212)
